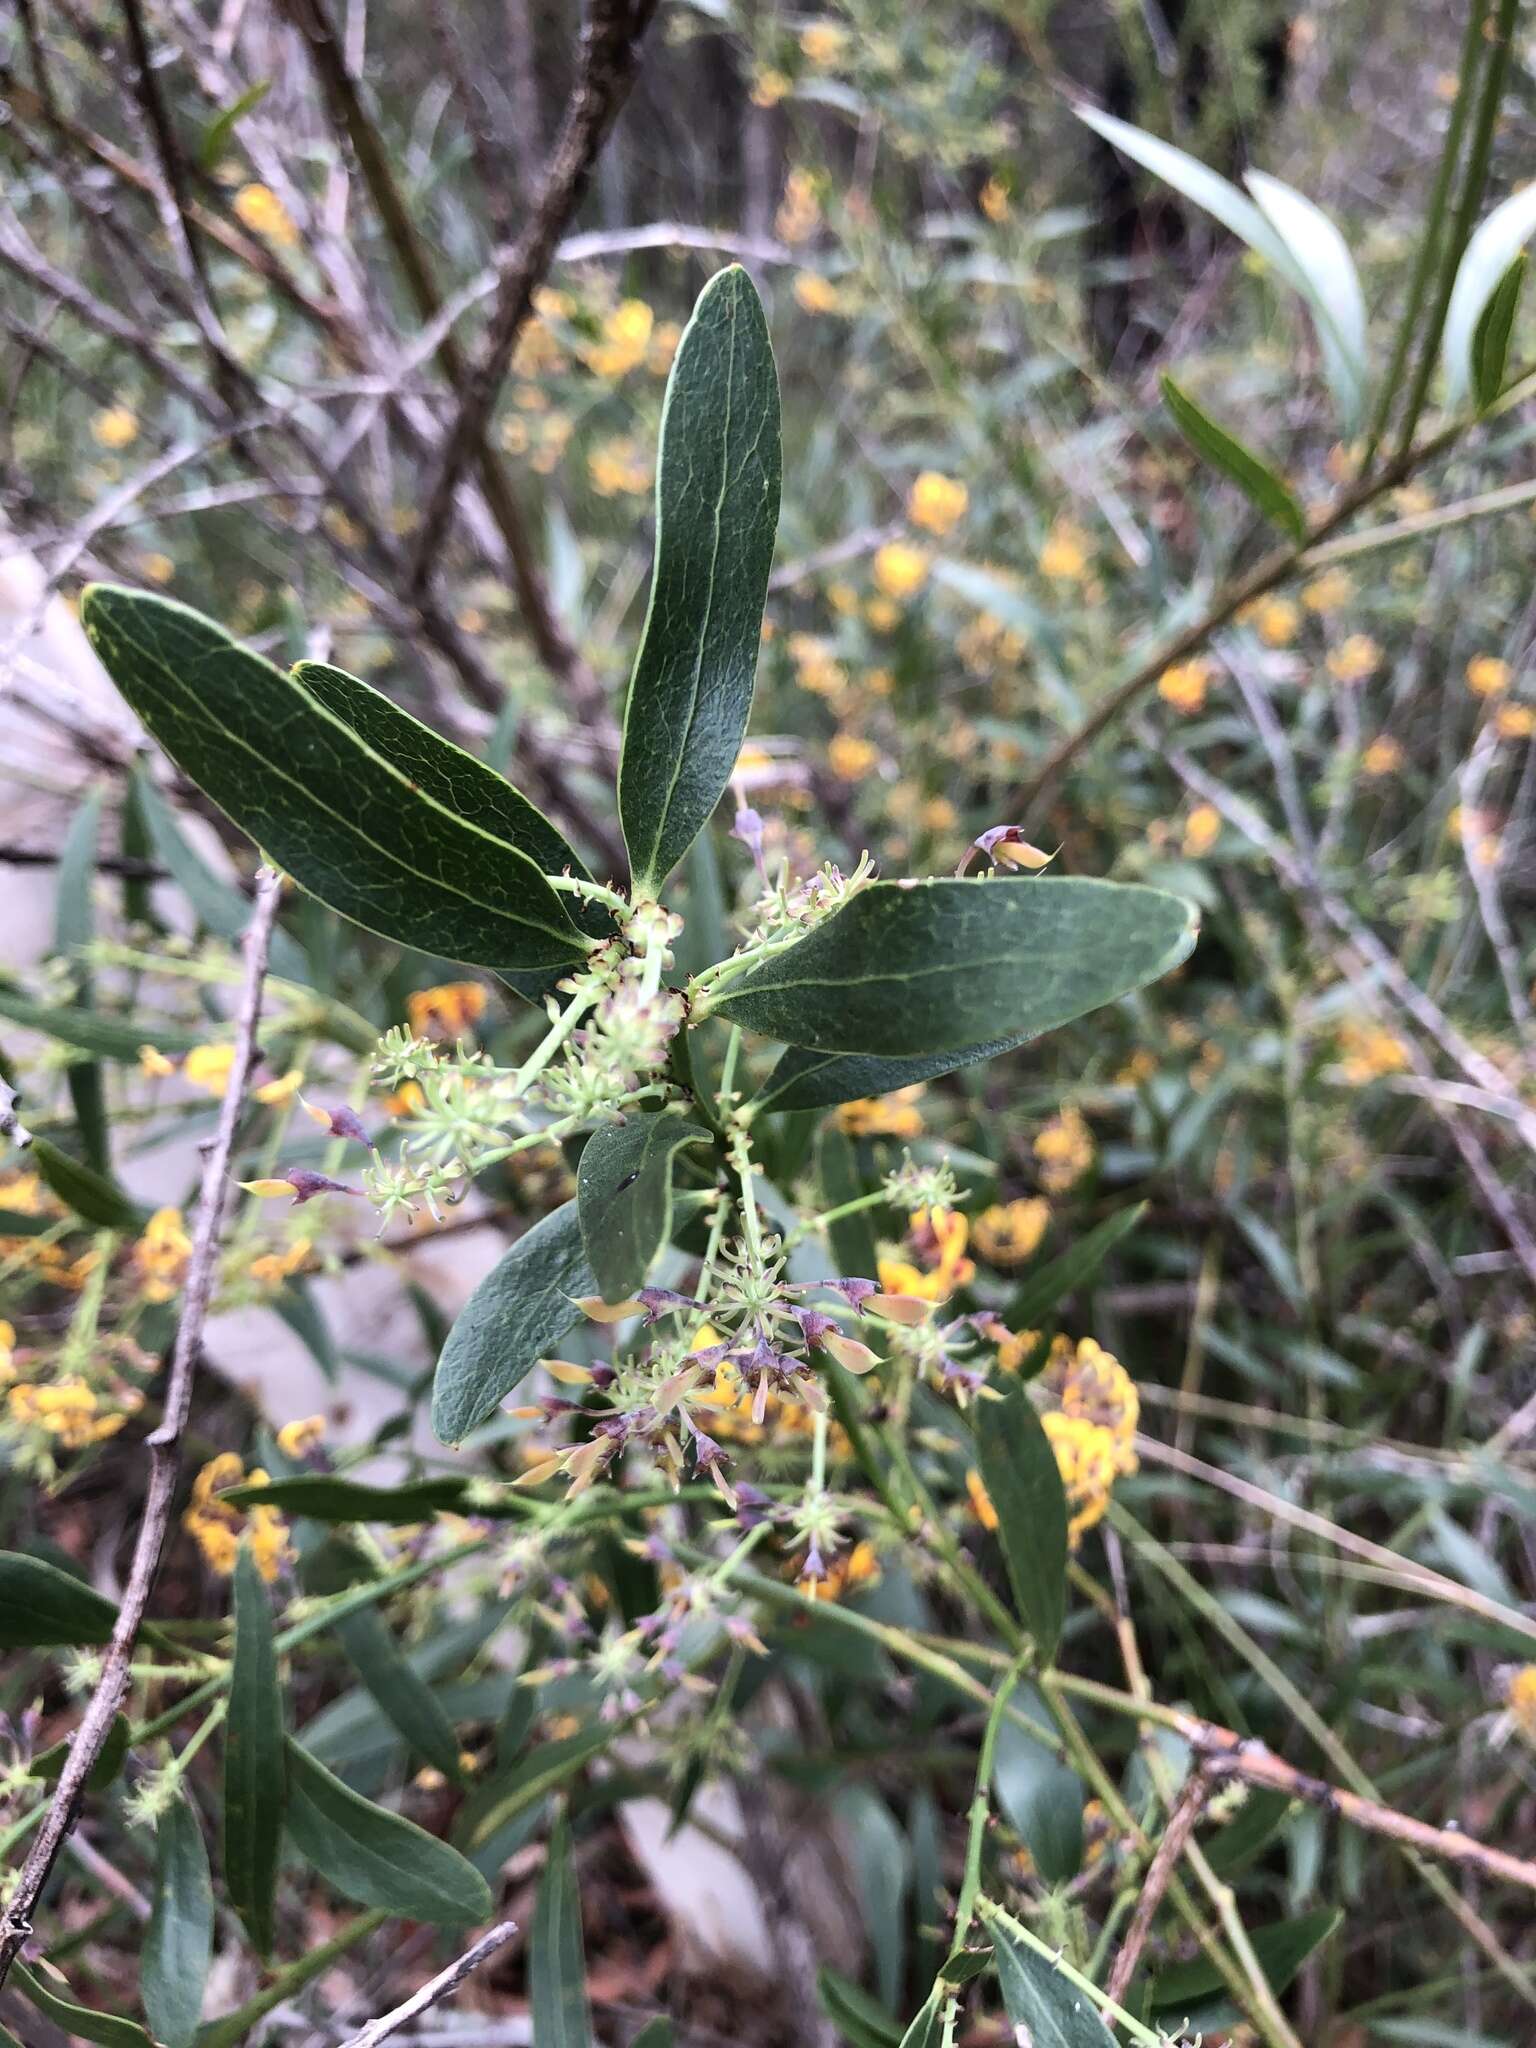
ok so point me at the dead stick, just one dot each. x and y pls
(164, 1447)
(1187, 1809)
(443, 1985)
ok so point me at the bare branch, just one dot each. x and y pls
(164, 1447)
(610, 52)
(1182, 1822)
(443, 1985)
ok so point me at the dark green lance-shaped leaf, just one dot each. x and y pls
(1018, 1469)
(376, 1858)
(74, 926)
(1045, 2009)
(96, 1031)
(178, 1942)
(1249, 1833)
(320, 798)
(852, 1238)
(805, 1080)
(1071, 1269)
(325, 1498)
(80, 2022)
(217, 904)
(405, 1699)
(921, 967)
(859, 2017)
(438, 770)
(41, 1606)
(717, 508)
(1197, 1990)
(49, 1763)
(557, 1970)
(93, 1196)
(1267, 492)
(214, 139)
(624, 1197)
(254, 1779)
(522, 1307)
(1490, 342)
(1040, 1797)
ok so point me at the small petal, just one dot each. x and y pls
(899, 1308)
(851, 1355)
(600, 1311)
(268, 1190)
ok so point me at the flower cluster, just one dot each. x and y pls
(217, 1527)
(1090, 1414)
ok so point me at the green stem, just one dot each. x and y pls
(234, 2026)
(1015, 1929)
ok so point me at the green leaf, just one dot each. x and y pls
(1483, 270)
(321, 799)
(1071, 1269)
(50, 1762)
(1018, 1469)
(215, 137)
(440, 771)
(926, 2031)
(852, 1238)
(96, 1031)
(522, 1307)
(921, 967)
(1292, 235)
(1197, 1990)
(1490, 344)
(325, 1498)
(1249, 1833)
(654, 2034)
(74, 926)
(717, 509)
(858, 2017)
(1040, 1797)
(93, 1196)
(81, 2022)
(1045, 2009)
(41, 1606)
(405, 1699)
(530, 1779)
(178, 1943)
(378, 1858)
(624, 1196)
(805, 1080)
(254, 1781)
(557, 1970)
(219, 906)
(1267, 492)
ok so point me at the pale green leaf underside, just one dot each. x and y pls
(325, 801)
(717, 509)
(912, 969)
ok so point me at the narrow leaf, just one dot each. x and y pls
(1073, 1268)
(378, 1858)
(215, 137)
(97, 1031)
(1041, 1798)
(41, 1606)
(405, 1699)
(1267, 492)
(717, 509)
(655, 2033)
(325, 1498)
(624, 1197)
(73, 929)
(910, 968)
(93, 1196)
(1045, 2009)
(1483, 269)
(254, 1778)
(1282, 1947)
(49, 1763)
(518, 1313)
(1330, 283)
(178, 1943)
(80, 2022)
(319, 798)
(1018, 1469)
(860, 2018)
(1490, 344)
(218, 905)
(557, 1970)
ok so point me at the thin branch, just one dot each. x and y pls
(164, 1447)
(1182, 1822)
(443, 1985)
(610, 52)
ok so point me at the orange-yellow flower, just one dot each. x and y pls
(1009, 1233)
(937, 502)
(900, 569)
(161, 1255)
(447, 1011)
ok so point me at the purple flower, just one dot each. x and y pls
(306, 1185)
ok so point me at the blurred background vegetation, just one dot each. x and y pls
(237, 303)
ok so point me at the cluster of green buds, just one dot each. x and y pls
(917, 1184)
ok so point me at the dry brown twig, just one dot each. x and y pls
(1182, 1821)
(163, 1446)
(442, 1986)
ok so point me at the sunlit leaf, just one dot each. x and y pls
(1484, 267)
